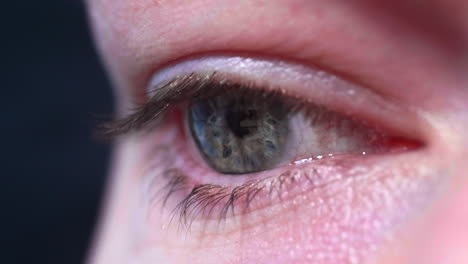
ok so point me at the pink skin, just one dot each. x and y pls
(406, 208)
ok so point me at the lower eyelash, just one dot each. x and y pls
(215, 202)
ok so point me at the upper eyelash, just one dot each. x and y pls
(174, 91)
(182, 88)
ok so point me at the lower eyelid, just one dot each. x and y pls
(299, 187)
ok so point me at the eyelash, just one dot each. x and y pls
(201, 199)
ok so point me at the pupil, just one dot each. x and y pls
(242, 123)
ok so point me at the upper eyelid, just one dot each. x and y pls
(252, 68)
(311, 84)
(271, 73)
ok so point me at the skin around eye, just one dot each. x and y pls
(197, 192)
(184, 193)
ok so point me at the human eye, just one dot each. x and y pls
(226, 139)
(282, 131)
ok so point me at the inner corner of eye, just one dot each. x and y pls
(238, 133)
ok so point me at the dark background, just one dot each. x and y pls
(53, 170)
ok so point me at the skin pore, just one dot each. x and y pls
(406, 62)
